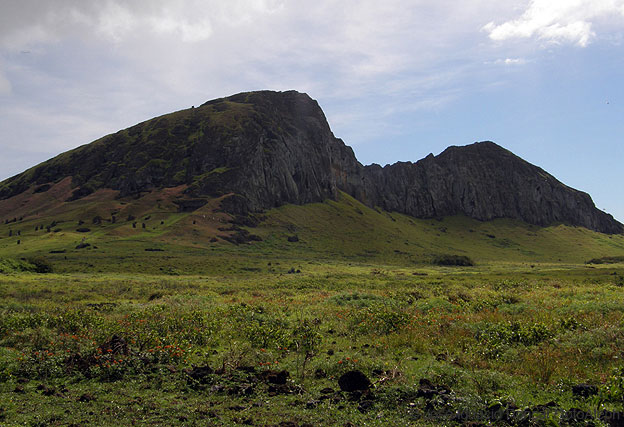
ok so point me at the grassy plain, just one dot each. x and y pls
(160, 326)
(492, 343)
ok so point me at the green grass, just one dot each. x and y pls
(487, 334)
(343, 229)
(358, 290)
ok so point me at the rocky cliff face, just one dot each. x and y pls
(483, 181)
(273, 148)
(270, 148)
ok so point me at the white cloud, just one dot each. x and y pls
(115, 21)
(511, 61)
(187, 31)
(112, 63)
(559, 21)
(31, 21)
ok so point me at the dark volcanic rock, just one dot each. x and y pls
(265, 149)
(483, 181)
(584, 390)
(200, 373)
(275, 377)
(354, 381)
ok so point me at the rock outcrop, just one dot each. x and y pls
(272, 148)
(483, 181)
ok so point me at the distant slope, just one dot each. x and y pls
(267, 149)
(346, 228)
(149, 235)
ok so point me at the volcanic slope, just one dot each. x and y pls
(261, 167)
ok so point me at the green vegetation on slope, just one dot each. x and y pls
(346, 228)
(191, 243)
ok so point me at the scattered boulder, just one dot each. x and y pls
(354, 381)
(365, 405)
(320, 373)
(276, 389)
(311, 404)
(427, 390)
(584, 390)
(155, 296)
(45, 390)
(275, 377)
(86, 397)
(244, 389)
(200, 373)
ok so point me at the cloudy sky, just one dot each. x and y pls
(397, 79)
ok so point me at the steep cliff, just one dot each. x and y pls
(483, 181)
(273, 148)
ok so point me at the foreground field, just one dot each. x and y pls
(497, 343)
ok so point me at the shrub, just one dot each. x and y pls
(37, 265)
(379, 319)
(497, 337)
(606, 260)
(453, 260)
(356, 299)
(40, 264)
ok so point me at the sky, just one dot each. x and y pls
(397, 79)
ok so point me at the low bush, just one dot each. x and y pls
(40, 264)
(453, 260)
(606, 260)
(30, 265)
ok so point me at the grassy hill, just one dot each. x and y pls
(149, 234)
(156, 312)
